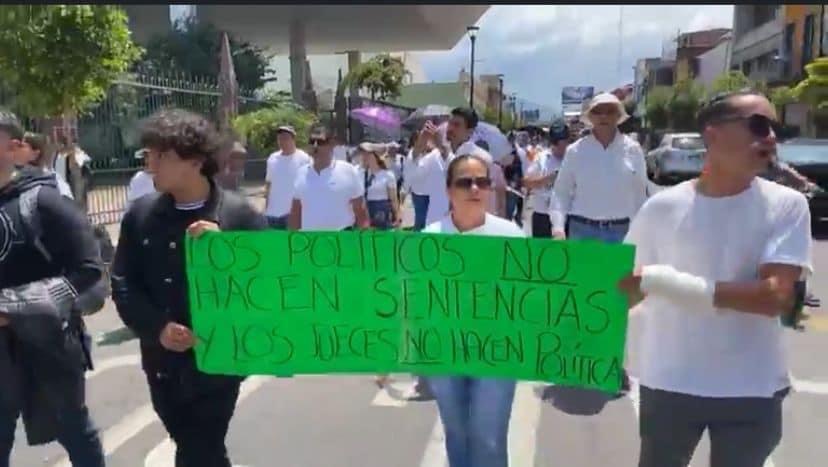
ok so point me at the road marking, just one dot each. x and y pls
(523, 426)
(163, 454)
(811, 387)
(115, 437)
(435, 452)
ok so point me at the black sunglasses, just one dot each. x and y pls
(760, 126)
(318, 141)
(465, 183)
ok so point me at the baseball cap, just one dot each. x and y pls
(286, 129)
(558, 133)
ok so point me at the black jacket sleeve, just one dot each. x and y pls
(69, 239)
(132, 302)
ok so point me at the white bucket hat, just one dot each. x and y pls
(603, 99)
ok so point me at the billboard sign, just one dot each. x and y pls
(576, 94)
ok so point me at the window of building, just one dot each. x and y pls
(747, 67)
(787, 53)
(808, 40)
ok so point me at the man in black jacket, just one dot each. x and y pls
(149, 282)
(48, 255)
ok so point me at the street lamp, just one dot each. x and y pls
(472, 30)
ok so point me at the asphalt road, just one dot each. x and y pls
(338, 421)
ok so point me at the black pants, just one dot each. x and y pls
(541, 225)
(75, 432)
(196, 410)
(744, 431)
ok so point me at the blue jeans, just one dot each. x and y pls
(277, 223)
(420, 210)
(610, 234)
(77, 434)
(475, 414)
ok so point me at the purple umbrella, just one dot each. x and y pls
(378, 117)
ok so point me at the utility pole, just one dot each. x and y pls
(500, 103)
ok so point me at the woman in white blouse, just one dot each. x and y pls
(475, 411)
(380, 187)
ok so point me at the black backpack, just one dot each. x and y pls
(93, 300)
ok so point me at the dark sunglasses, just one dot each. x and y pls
(318, 141)
(759, 126)
(465, 183)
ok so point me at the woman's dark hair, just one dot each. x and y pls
(190, 135)
(452, 167)
(468, 115)
(38, 143)
(721, 105)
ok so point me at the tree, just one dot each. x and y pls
(382, 76)
(258, 128)
(192, 48)
(657, 107)
(684, 104)
(60, 60)
(780, 97)
(731, 81)
(813, 90)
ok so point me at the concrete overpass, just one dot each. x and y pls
(299, 30)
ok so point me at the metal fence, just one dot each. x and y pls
(109, 132)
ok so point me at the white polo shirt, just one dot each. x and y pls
(600, 183)
(380, 183)
(281, 174)
(692, 349)
(414, 181)
(326, 196)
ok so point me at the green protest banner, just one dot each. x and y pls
(288, 303)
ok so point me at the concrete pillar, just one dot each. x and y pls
(298, 58)
(354, 59)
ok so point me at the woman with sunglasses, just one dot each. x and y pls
(380, 187)
(475, 411)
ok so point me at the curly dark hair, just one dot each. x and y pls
(190, 135)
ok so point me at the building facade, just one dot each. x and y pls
(714, 62)
(689, 46)
(758, 42)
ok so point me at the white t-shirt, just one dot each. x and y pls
(380, 183)
(414, 181)
(545, 164)
(281, 174)
(326, 196)
(493, 226)
(142, 184)
(432, 168)
(701, 352)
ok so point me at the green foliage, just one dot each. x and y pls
(382, 76)
(62, 59)
(781, 96)
(685, 101)
(657, 107)
(730, 82)
(193, 48)
(813, 90)
(490, 116)
(258, 128)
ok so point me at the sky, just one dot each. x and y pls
(541, 48)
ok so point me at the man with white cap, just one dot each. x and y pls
(603, 178)
(282, 167)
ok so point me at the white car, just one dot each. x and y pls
(680, 156)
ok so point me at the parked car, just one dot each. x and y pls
(809, 157)
(679, 156)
